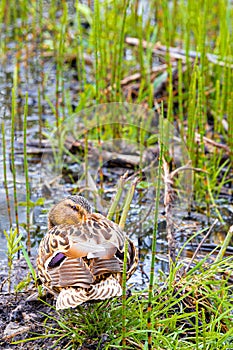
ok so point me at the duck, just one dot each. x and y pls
(80, 259)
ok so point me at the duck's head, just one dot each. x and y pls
(71, 210)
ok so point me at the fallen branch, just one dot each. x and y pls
(137, 76)
(176, 53)
(208, 142)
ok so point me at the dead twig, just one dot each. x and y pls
(208, 142)
(137, 76)
(176, 52)
(187, 167)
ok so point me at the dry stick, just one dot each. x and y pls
(200, 245)
(187, 167)
(5, 174)
(137, 76)
(225, 245)
(122, 225)
(117, 197)
(212, 143)
(176, 53)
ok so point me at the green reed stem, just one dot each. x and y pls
(226, 243)
(217, 125)
(114, 56)
(57, 99)
(97, 71)
(28, 261)
(5, 174)
(3, 11)
(192, 114)
(210, 197)
(230, 124)
(61, 54)
(97, 47)
(120, 187)
(26, 174)
(119, 65)
(180, 98)
(153, 247)
(128, 201)
(13, 160)
(40, 116)
(124, 311)
(80, 61)
(86, 157)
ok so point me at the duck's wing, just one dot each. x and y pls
(97, 237)
(105, 289)
(91, 239)
(70, 272)
(70, 298)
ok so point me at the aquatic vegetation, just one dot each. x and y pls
(13, 246)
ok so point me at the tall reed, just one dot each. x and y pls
(5, 174)
(128, 201)
(13, 168)
(154, 237)
(26, 175)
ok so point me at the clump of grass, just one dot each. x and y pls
(13, 239)
(194, 311)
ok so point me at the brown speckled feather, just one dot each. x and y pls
(81, 256)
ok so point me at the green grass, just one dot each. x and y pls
(194, 312)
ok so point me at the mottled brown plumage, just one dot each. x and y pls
(81, 256)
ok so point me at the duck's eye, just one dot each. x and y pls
(74, 207)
